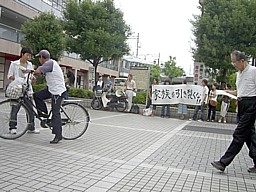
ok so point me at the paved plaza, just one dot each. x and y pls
(126, 152)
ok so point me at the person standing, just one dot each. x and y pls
(204, 100)
(225, 102)
(130, 87)
(149, 101)
(16, 71)
(100, 83)
(182, 108)
(54, 90)
(168, 113)
(245, 130)
(212, 103)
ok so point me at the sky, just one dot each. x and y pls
(164, 29)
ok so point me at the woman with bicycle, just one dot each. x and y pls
(54, 90)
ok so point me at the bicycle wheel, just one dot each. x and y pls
(8, 108)
(96, 104)
(121, 105)
(75, 120)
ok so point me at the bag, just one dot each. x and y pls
(147, 112)
(213, 103)
(135, 109)
(15, 89)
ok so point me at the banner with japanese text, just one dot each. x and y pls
(174, 94)
(186, 94)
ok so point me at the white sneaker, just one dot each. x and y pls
(35, 131)
(190, 119)
(225, 121)
(13, 131)
(219, 121)
(212, 120)
(199, 120)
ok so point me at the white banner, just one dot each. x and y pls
(186, 94)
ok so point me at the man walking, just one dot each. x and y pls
(245, 130)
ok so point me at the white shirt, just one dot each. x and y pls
(205, 92)
(54, 77)
(246, 82)
(16, 72)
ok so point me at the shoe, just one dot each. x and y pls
(162, 116)
(218, 165)
(191, 119)
(56, 139)
(225, 121)
(13, 131)
(34, 131)
(219, 121)
(199, 120)
(212, 120)
(207, 120)
(252, 169)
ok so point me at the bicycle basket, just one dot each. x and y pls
(98, 92)
(15, 89)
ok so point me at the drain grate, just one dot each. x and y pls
(208, 130)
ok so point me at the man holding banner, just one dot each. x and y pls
(246, 96)
(204, 101)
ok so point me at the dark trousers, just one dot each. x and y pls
(201, 107)
(149, 103)
(14, 111)
(211, 109)
(39, 98)
(167, 110)
(244, 132)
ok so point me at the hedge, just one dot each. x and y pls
(73, 92)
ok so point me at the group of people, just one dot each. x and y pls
(109, 88)
(55, 90)
(210, 98)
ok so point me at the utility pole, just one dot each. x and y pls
(137, 49)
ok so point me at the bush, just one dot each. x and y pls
(37, 87)
(140, 98)
(73, 92)
(81, 93)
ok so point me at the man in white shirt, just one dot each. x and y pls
(54, 90)
(246, 96)
(16, 70)
(204, 100)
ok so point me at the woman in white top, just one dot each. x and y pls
(212, 103)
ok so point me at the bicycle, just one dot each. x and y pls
(74, 117)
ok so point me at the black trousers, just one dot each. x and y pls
(211, 109)
(244, 132)
(14, 111)
(39, 98)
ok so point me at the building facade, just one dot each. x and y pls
(13, 13)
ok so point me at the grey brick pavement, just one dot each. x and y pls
(125, 152)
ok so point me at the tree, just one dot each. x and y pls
(171, 70)
(44, 32)
(224, 26)
(96, 31)
(155, 72)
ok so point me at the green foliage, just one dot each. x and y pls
(155, 72)
(81, 93)
(223, 27)
(44, 32)
(96, 30)
(37, 87)
(140, 98)
(171, 70)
